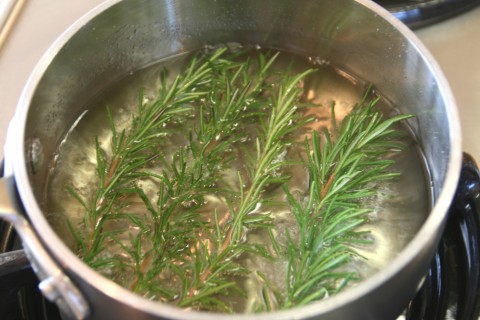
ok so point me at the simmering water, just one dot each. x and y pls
(398, 211)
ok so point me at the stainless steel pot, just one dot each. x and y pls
(119, 36)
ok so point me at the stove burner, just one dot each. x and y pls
(20, 297)
(420, 13)
(452, 285)
(451, 289)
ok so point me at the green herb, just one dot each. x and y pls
(134, 148)
(195, 172)
(345, 169)
(170, 245)
(211, 266)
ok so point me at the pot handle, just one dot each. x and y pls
(54, 284)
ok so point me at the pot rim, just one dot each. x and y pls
(69, 261)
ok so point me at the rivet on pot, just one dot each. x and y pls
(35, 155)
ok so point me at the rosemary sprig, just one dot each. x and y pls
(342, 173)
(282, 120)
(229, 240)
(134, 148)
(192, 177)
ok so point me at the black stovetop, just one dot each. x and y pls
(420, 13)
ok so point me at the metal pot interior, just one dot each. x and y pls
(356, 36)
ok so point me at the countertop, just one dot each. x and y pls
(455, 44)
